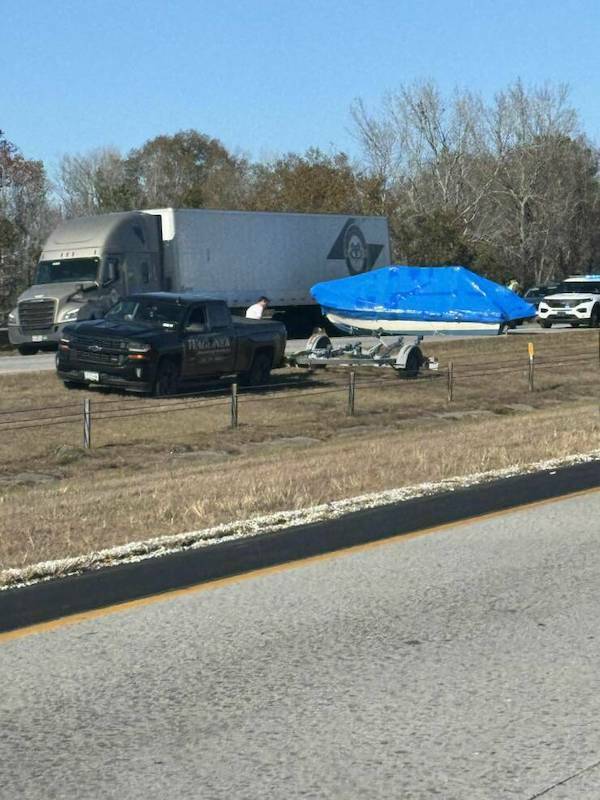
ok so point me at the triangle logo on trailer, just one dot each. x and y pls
(352, 247)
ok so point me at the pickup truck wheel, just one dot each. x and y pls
(167, 378)
(27, 350)
(595, 318)
(259, 372)
(545, 324)
(73, 385)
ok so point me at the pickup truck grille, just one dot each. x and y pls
(36, 315)
(114, 345)
(90, 357)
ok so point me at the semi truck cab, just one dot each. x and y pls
(87, 264)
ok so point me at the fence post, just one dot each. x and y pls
(234, 405)
(87, 424)
(351, 392)
(450, 378)
(531, 350)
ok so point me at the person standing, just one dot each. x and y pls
(515, 286)
(257, 310)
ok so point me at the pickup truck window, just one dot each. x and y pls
(148, 312)
(197, 320)
(219, 316)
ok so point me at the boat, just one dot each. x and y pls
(399, 300)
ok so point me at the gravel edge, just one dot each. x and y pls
(269, 523)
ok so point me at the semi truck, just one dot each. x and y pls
(89, 263)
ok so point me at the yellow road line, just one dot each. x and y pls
(128, 605)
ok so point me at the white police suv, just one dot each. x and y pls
(576, 301)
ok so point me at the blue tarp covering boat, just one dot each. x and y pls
(420, 300)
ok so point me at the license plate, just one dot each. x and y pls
(91, 376)
(38, 338)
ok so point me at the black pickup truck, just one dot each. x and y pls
(161, 341)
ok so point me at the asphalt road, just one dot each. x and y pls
(45, 361)
(459, 665)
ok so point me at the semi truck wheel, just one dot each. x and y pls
(167, 378)
(27, 349)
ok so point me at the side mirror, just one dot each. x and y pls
(111, 273)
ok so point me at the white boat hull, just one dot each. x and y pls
(400, 327)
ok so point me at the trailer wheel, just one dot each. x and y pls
(259, 372)
(413, 364)
(167, 378)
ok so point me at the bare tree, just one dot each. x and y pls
(544, 184)
(95, 183)
(513, 180)
(26, 215)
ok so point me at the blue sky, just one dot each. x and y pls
(268, 77)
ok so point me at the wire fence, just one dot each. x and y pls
(344, 380)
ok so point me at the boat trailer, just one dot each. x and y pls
(403, 354)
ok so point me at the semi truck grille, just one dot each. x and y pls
(36, 315)
(88, 357)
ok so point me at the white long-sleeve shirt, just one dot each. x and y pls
(255, 311)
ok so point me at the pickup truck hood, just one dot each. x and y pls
(117, 330)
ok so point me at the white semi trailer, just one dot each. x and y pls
(88, 263)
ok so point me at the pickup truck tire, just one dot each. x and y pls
(545, 324)
(73, 385)
(259, 372)
(167, 378)
(27, 350)
(595, 317)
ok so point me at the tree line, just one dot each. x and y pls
(508, 188)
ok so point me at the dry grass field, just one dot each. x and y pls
(169, 466)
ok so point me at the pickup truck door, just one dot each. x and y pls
(206, 352)
(219, 320)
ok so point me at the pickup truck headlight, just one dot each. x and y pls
(138, 347)
(71, 315)
(13, 317)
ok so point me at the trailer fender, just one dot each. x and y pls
(409, 355)
(409, 361)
